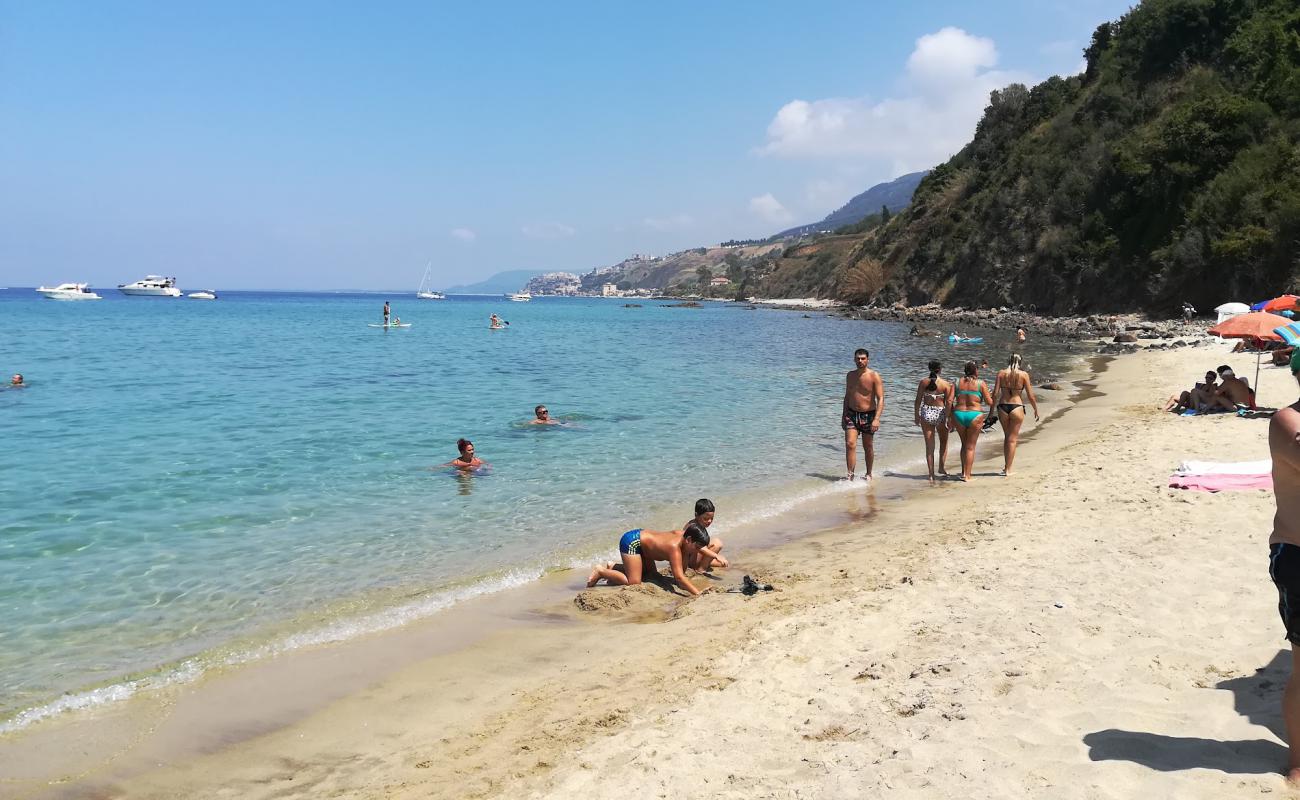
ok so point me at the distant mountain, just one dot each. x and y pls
(893, 195)
(500, 283)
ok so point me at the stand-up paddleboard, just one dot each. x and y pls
(393, 325)
(496, 327)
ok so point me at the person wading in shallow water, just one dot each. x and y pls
(864, 402)
(1284, 555)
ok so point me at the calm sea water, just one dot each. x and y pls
(190, 483)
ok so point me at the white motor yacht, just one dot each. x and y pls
(205, 294)
(151, 286)
(69, 291)
(520, 297)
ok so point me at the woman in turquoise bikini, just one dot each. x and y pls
(970, 398)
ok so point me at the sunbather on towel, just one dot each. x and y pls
(1233, 392)
(1201, 397)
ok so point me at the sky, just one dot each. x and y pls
(334, 145)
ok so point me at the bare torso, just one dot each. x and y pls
(1284, 445)
(860, 389)
(1010, 387)
(964, 400)
(936, 396)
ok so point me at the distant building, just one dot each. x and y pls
(608, 290)
(719, 281)
(561, 283)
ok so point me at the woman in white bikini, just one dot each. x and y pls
(933, 399)
(1010, 384)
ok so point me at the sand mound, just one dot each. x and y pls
(644, 598)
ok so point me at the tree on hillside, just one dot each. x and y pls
(734, 271)
(884, 215)
(705, 275)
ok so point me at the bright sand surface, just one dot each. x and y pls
(1077, 630)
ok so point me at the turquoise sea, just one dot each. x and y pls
(186, 483)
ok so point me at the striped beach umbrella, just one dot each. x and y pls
(1289, 333)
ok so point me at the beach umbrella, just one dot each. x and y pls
(1289, 333)
(1286, 302)
(1255, 325)
(1231, 310)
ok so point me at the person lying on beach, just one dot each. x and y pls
(638, 546)
(970, 397)
(708, 557)
(543, 417)
(466, 459)
(1201, 397)
(1284, 555)
(930, 409)
(1011, 387)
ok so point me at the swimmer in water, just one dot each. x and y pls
(543, 417)
(467, 460)
(17, 381)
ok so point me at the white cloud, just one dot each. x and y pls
(675, 222)
(821, 192)
(946, 87)
(769, 209)
(463, 234)
(547, 230)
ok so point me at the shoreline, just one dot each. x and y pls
(462, 627)
(538, 708)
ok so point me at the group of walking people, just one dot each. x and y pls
(941, 407)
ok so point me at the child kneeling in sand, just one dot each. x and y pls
(638, 546)
(708, 557)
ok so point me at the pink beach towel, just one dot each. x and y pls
(1221, 483)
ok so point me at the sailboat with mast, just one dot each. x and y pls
(425, 293)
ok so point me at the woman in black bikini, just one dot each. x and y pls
(933, 399)
(1011, 382)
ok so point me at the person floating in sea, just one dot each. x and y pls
(385, 313)
(16, 382)
(1011, 383)
(639, 546)
(543, 417)
(466, 460)
(1020, 334)
(933, 399)
(495, 323)
(970, 397)
(710, 557)
(864, 403)
(1284, 556)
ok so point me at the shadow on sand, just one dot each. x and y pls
(1257, 697)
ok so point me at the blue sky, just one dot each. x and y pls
(337, 145)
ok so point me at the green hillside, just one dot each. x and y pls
(1169, 170)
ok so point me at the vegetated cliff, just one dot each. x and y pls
(1168, 170)
(688, 271)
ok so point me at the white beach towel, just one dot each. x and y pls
(1264, 467)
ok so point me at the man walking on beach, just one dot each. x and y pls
(1284, 555)
(864, 402)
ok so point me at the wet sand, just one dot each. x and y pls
(1076, 630)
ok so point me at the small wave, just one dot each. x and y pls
(338, 631)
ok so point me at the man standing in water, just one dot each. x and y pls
(864, 402)
(385, 313)
(1284, 555)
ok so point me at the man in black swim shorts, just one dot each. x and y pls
(864, 402)
(1284, 555)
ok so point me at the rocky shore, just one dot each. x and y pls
(1114, 333)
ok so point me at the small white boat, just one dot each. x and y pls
(428, 294)
(520, 297)
(205, 294)
(151, 286)
(69, 291)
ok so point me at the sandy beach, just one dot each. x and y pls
(1077, 630)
